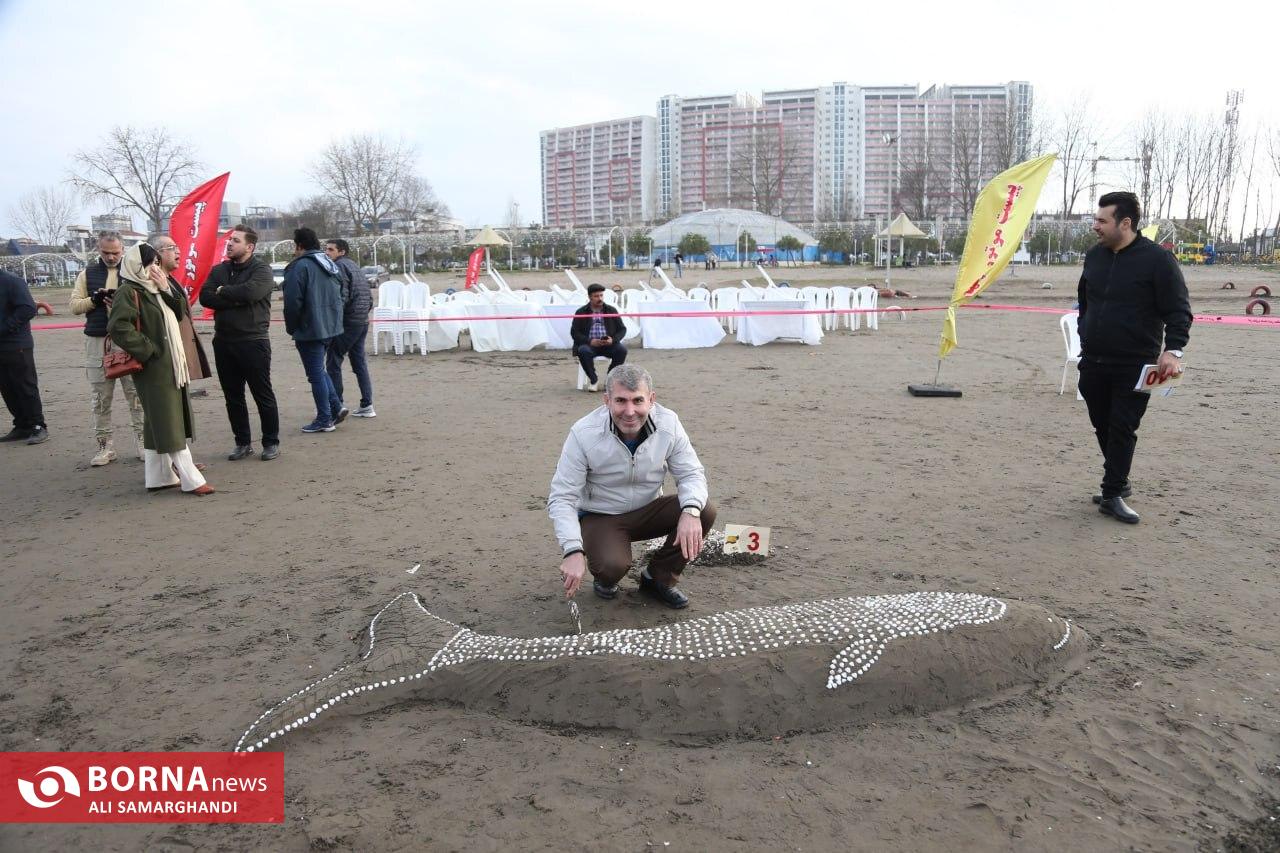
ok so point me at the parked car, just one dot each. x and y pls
(376, 274)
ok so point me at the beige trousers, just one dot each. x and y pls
(104, 390)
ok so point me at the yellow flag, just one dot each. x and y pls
(1151, 231)
(1000, 216)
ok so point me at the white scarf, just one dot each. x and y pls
(132, 269)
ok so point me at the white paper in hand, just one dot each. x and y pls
(1149, 381)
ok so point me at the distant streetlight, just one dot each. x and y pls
(889, 140)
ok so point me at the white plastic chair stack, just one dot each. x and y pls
(700, 294)
(632, 299)
(577, 285)
(864, 298)
(414, 316)
(567, 297)
(841, 300)
(1071, 338)
(384, 323)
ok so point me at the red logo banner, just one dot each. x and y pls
(473, 267)
(193, 225)
(141, 787)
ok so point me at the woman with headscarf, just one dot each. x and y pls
(144, 322)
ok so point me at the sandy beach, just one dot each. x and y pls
(136, 621)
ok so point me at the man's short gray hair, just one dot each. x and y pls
(159, 241)
(629, 376)
(110, 237)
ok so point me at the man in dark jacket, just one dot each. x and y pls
(597, 330)
(1134, 310)
(313, 317)
(239, 292)
(355, 329)
(18, 383)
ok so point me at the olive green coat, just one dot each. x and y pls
(168, 421)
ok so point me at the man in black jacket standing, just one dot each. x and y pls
(18, 383)
(355, 329)
(597, 330)
(1134, 310)
(239, 292)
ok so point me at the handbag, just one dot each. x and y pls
(116, 363)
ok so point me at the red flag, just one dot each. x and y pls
(473, 266)
(193, 225)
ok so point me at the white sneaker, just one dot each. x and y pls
(106, 454)
(364, 412)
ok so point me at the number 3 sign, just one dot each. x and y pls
(745, 539)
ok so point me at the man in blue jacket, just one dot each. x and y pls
(18, 383)
(313, 297)
(1134, 311)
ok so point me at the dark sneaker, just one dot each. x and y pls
(668, 595)
(270, 451)
(16, 434)
(341, 415)
(241, 451)
(605, 591)
(319, 426)
(39, 435)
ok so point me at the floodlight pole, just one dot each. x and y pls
(890, 139)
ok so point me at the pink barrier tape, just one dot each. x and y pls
(1222, 319)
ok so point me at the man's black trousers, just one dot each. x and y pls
(247, 362)
(1115, 410)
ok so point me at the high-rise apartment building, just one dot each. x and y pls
(599, 174)
(803, 154)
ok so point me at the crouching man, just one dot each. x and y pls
(606, 492)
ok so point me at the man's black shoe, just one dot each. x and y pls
(1126, 492)
(1119, 510)
(39, 435)
(241, 451)
(16, 434)
(341, 415)
(605, 591)
(668, 595)
(270, 451)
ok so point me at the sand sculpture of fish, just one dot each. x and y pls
(772, 669)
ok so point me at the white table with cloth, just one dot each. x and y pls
(806, 328)
(559, 319)
(678, 332)
(447, 321)
(506, 335)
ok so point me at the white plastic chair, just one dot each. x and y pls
(439, 298)
(1071, 338)
(391, 295)
(538, 297)
(841, 300)
(866, 299)
(726, 299)
(700, 294)
(583, 382)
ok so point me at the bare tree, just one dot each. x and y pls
(143, 169)
(1011, 142)
(1198, 138)
(921, 176)
(1248, 166)
(417, 201)
(766, 170)
(967, 155)
(318, 212)
(366, 174)
(1070, 136)
(44, 214)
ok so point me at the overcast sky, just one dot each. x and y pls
(260, 88)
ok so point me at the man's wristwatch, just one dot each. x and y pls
(693, 511)
(1176, 353)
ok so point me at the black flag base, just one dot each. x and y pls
(934, 391)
